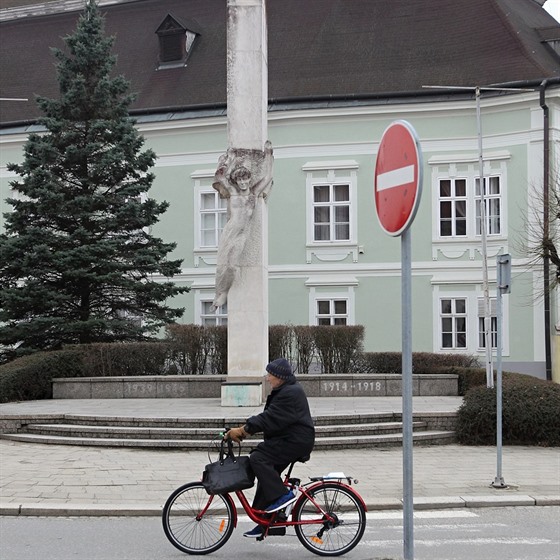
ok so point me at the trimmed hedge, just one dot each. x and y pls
(529, 413)
(338, 346)
(196, 350)
(422, 362)
(469, 378)
(123, 359)
(29, 378)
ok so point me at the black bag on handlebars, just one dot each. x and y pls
(231, 472)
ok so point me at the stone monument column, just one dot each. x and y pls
(244, 177)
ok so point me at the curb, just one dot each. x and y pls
(150, 510)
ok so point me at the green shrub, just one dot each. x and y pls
(29, 377)
(304, 348)
(119, 359)
(430, 362)
(337, 346)
(422, 362)
(189, 347)
(378, 362)
(218, 349)
(529, 413)
(469, 378)
(280, 342)
(196, 349)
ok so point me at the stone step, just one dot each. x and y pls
(113, 431)
(184, 423)
(366, 441)
(141, 432)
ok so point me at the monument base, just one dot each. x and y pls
(242, 393)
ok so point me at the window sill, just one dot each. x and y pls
(208, 256)
(460, 248)
(332, 252)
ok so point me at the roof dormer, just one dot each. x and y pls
(175, 42)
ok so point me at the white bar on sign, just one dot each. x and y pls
(395, 178)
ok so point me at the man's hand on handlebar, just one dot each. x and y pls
(236, 434)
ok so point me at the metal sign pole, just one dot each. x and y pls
(397, 190)
(406, 297)
(503, 264)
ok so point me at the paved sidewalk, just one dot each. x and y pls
(40, 479)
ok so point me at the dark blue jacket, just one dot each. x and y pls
(286, 416)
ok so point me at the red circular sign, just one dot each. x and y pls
(398, 177)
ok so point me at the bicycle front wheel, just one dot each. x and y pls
(335, 536)
(195, 522)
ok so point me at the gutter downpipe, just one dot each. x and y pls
(546, 229)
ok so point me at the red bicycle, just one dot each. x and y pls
(329, 516)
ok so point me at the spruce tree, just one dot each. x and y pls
(77, 259)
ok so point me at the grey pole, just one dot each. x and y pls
(484, 252)
(499, 480)
(406, 297)
(503, 264)
(407, 215)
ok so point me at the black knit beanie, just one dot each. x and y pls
(280, 368)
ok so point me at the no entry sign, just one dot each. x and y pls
(398, 177)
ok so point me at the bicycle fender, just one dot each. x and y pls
(337, 483)
(234, 509)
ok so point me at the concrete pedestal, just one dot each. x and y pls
(242, 393)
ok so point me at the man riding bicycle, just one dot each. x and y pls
(289, 435)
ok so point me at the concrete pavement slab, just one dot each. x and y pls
(34, 475)
(211, 408)
(49, 479)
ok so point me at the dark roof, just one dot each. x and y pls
(317, 49)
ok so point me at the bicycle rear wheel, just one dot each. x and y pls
(336, 537)
(195, 522)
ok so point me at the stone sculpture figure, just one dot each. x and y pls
(242, 176)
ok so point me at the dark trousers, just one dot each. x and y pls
(268, 460)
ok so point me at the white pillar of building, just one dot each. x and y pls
(247, 100)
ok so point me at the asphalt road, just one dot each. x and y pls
(521, 533)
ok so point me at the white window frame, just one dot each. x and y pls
(493, 324)
(473, 295)
(331, 205)
(332, 315)
(472, 202)
(331, 173)
(219, 210)
(219, 316)
(202, 297)
(488, 200)
(467, 167)
(454, 316)
(203, 180)
(332, 288)
(453, 200)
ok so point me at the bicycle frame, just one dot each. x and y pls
(267, 520)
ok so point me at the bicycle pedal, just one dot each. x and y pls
(276, 531)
